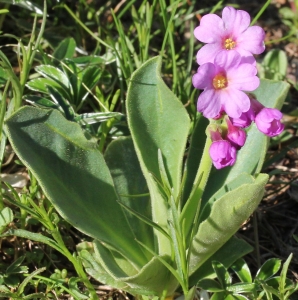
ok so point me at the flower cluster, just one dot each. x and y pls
(227, 71)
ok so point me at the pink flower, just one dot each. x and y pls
(231, 32)
(223, 82)
(236, 135)
(268, 121)
(222, 153)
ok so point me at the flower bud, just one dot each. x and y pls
(268, 121)
(222, 153)
(236, 135)
(245, 119)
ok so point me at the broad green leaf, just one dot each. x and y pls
(157, 120)
(251, 157)
(227, 215)
(73, 175)
(66, 49)
(106, 267)
(94, 269)
(232, 250)
(129, 182)
(235, 183)
(268, 269)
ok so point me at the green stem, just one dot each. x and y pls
(260, 12)
(76, 262)
(189, 215)
(204, 170)
(86, 28)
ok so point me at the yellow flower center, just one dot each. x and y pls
(229, 44)
(219, 81)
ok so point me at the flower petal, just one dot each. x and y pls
(243, 77)
(209, 103)
(234, 102)
(252, 40)
(203, 78)
(227, 59)
(208, 52)
(210, 30)
(236, 21)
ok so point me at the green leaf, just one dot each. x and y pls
(227, 215)
(94, 269)
(41, 85)
(16, 268)
(33, 237)
(89, 78)
(106, 266)
(232, 250)
(55, 74)
(210, 285)
(268, 269)
(197, 144)
(129, 180)
(221, 273)
(91, 118)
(275, 64)
(63, 103)
(283, 274)
(230, 186)
(66, 49)
(41, 102)
(107, 58)
(251, 157)
(157, 120)
(242, 287)
(3, 76)
(218, 296)
(26, 4)
(28, 279)
(242, 270)
(6, 217)
(72, 282)
(73, 175)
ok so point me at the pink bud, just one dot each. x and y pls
(236, 135)
(222, 153)
(245, 119)
(268, 121)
